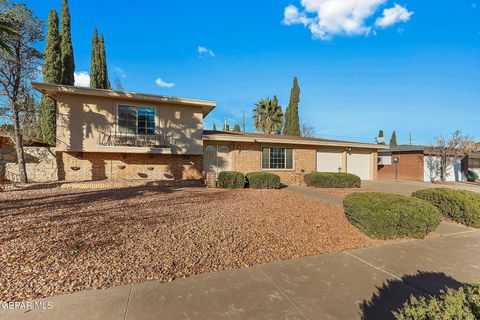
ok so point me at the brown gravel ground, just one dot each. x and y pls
(58, 241)
(341, 192)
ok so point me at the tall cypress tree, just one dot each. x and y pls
(95, 63)
(292, 121)
(393, 139)
(52, 73)
(103, 64)
(68, 62)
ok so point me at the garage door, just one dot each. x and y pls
(329, 161)
(359, 163)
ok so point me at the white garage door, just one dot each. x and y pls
(329, 161)
(359, 163)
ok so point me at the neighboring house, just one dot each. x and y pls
(105, 134)
(472, 162)
(411, 162)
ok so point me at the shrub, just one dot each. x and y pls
(387, 216)
(332, 180)
(231, 180)
(263, 180)
(472, 175)
(463, 303)
(459, 205)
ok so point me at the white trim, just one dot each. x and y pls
(292, 141)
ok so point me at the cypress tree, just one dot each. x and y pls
(236, 128)
(214, 128)
(380, 136)
(52, 73)
(68, 63)
(292, 121)
(393, 139)
(103, 64)
(95, 63)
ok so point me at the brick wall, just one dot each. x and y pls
(246, 157)
(117, 166)
(410, 167)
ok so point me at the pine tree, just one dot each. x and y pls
(103, 64)
(52, 73)
(292, 121)
(95, 63)
(380, 137)
(393, 139)
(68, 62)
(214, 128)
(236, 128)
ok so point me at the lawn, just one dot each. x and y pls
(57, 241)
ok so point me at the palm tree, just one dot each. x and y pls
(6, 28)
(268, 116)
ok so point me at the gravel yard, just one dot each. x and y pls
(57, 241)
(341, 192)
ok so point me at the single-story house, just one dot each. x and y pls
(106, 134)
(472, 163)
(415, 162)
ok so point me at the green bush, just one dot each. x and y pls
(387, 216)
(231, 180)
(472, 175)
(332, 180)
(459, 205)
(263, 180)
(449, 304)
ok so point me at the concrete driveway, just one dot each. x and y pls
(365, 283)
(406, 187)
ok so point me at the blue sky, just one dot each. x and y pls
(412, 68)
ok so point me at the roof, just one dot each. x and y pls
(406, 148)
(53, 89)
(282, 139)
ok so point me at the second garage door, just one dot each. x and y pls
(359, 163)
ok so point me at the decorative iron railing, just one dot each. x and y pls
(119, 139)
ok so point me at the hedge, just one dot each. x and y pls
(263, 180)
(332, 180)
(449, 304)
(459, 205)
(387, 216)
(231, 180)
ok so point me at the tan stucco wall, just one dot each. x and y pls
(80, 119)
(117, 166)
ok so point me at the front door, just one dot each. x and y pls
(217, 158)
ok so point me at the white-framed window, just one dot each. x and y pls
(277, 158)
(136, 120)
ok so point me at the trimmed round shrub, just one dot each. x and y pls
(387, 216)
(231, 180)
(263, 180)
(463, 303)
(332, 180)
(459, 205)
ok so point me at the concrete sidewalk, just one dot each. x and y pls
(367, 282)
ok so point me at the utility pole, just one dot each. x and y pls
(244, 123)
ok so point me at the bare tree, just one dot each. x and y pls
(307, 131)
(445, 152)
(18, 69)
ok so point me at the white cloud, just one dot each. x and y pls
(163, 84)
(205, 52)
(82, 79)
(328, 18)
(393, 15)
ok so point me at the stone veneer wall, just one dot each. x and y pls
(41, 164)
(120, 166)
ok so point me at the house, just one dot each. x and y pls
(472, 163)
(105, 134)
(414, 162)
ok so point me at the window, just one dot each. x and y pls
(277, 158)
(473, 163)
(136, 120)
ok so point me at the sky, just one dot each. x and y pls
(362, 65)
